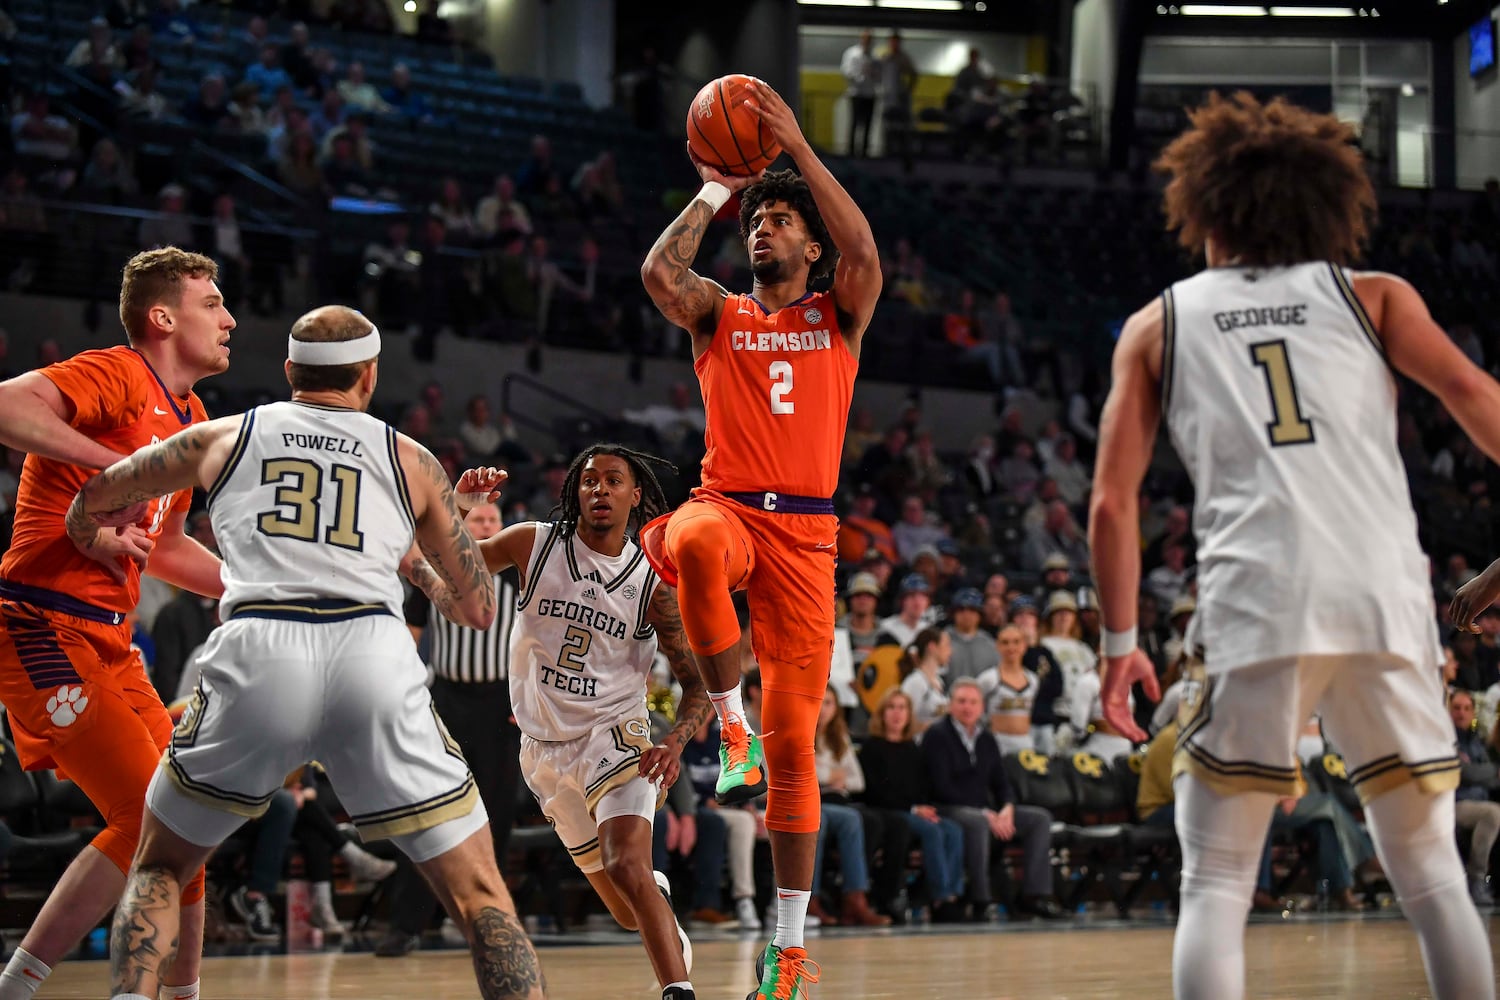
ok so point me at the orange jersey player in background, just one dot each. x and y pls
(777, 371)
(77, 695)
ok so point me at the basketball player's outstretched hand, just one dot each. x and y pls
(777, 115)
(477, 486)
(710, 174)
(1474, 596)
(1119, 674)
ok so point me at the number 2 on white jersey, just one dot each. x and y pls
(781, 384)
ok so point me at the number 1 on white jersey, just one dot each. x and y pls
(781, 384)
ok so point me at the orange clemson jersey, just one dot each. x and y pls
(776, 391)
(118, 401)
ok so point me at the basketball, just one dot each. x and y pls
(725, 134)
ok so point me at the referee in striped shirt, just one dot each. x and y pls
(470, 689)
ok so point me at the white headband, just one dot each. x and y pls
(339, 352)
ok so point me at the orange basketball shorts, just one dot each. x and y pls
(79, 701)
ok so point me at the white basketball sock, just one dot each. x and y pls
(1222, 837)
(1413, 835)
(188, 992)
(791, 915)
(131, 996)
(23, 974)
(730, 705)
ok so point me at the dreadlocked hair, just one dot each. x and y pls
(784, 185)
(653, 497)
(1274, 183)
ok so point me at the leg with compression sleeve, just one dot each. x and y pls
(1221, 837)
(1413, 834)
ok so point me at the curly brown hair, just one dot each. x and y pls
(1273, 184)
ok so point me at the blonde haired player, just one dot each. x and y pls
(1272, 371)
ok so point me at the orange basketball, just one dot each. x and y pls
(725, 134)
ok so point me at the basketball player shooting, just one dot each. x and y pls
(590, 617)
(1272, 370)
(777, 370)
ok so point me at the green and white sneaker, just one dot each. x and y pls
(742, 765)
(785, 974)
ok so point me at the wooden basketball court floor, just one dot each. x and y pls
(1358, 957)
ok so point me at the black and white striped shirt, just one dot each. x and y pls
(467, 655)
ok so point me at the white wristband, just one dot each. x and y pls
(714, 195)
(1119, 643)
(468, 501)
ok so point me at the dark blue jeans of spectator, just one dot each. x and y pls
(1163, 816)
(1331, 863)
(707, 858)
(942, 856)
(844, 825)
(273, 833)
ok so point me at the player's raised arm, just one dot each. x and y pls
(687, 299)
(452, 571)
(509, 547)
(1127, 436)
(1419, 349)
(857, 280)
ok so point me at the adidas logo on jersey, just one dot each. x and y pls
(593, 574)
(590, 594)
(602, 764)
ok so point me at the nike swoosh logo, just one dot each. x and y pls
(158, 411)
(827, 545)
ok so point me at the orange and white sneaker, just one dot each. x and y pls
(785, 974)
(742, 765)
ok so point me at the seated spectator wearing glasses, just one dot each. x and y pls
(1472, 805)
(900, 792)
(1010, 692)
(969, 786)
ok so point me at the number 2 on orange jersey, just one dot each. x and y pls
(781, 384)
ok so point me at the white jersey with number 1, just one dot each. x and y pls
(1278, 397)
(581, 646)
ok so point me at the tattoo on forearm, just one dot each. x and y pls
(504, 961)
(426, 579)
(473, 576)
(81, 529)
(143, 938)
(695, 707)
(151, 472)
(689, 298)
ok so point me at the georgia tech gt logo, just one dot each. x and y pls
(1088, 765)
(1032, 761)
(638, 728)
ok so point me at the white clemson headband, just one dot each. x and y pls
(341, 352)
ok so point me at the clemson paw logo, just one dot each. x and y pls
(67, 705)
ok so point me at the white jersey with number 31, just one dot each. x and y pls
(1278, 398)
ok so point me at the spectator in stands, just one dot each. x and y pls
(228, 250)
(898, 79)
(535, 174)
(211, 106)
(1010, 692)
(251, 901)
(393, 265)
(329, 116)
(914, 611)
(901, 792)
(862, 596)
(910, 284)
(999, 326)
(974, 649)
(297, 60)
(453, 209)
(1073, 480)
(284, 117)
(677, 422)
(860, 435)
(140, 49)
(968, 80)
(994, 614)
(268, 75)
(257, 33)
(170, 226)
(883, 466)
(929, 473)
(861, 70)
(1018, 472)
(1058, 533)
(916, 529)
(298, 168)
(180, 628)
(607, 196)
(1169, 581)
(108, 179)
(170, 20)
(139, 97)
(858, 835)
(356, 128)
(98, 47)
(499, 217)
(924, 660)
(39, 134)
(358, 92)
(403, 99)
(342, 171)
(245, 113)
(447, 298)
(480, 436)
(27, 245)
(969, 786)
(860, 530)
(547, 280)
(1478, 781)
(1176, 528)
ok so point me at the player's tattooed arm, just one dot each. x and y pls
(452, 554)
(683, 297)
(695, 708)
(118, 496)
